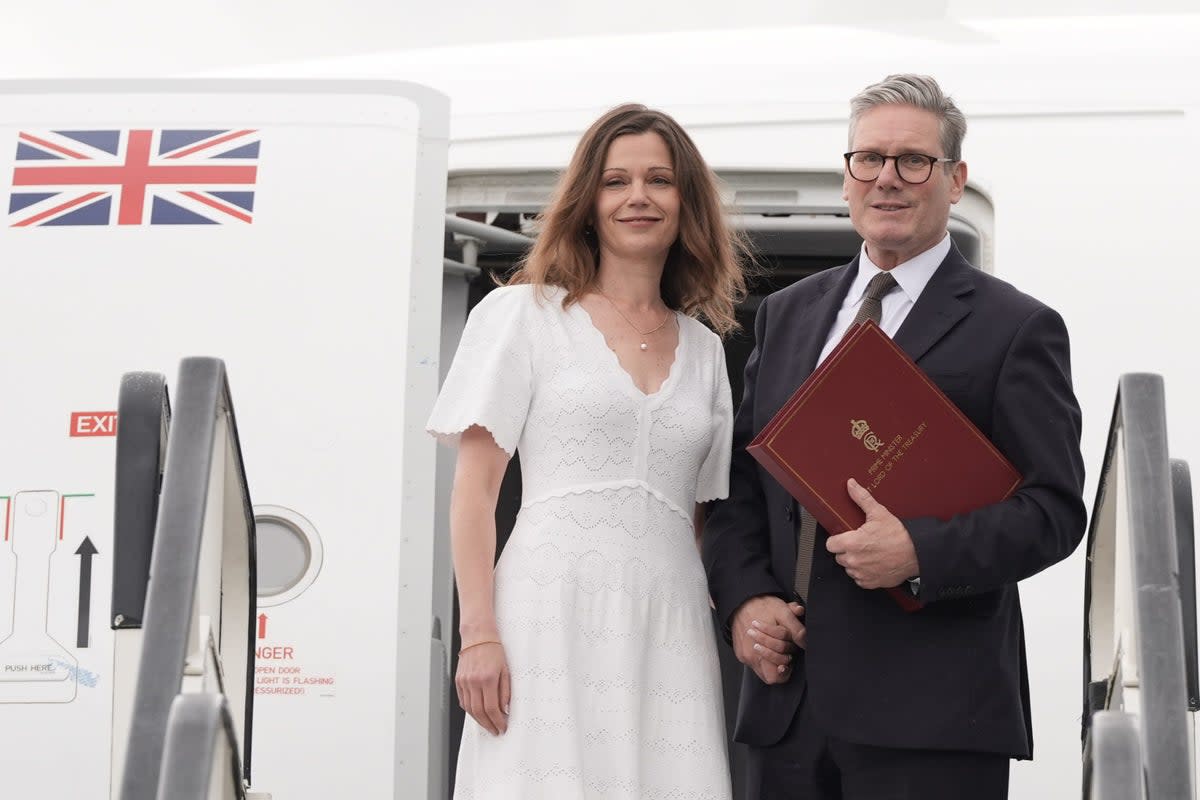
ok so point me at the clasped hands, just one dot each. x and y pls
(767, 630)
(766, 633)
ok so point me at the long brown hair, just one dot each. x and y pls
(703, 275)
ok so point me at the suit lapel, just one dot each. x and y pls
(939, 308)
(805, 326)
(821, 312)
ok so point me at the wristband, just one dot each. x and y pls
(476, 644)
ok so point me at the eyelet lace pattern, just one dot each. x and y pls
(600, 596)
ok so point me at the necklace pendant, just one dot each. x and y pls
(644, 346)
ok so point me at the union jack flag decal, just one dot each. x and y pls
(134, 177)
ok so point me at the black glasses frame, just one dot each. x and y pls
(896, 158)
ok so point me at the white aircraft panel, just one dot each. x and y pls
(294, 230)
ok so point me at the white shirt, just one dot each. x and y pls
(911, 278)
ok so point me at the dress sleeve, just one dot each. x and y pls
(490, 382)
(713, 483)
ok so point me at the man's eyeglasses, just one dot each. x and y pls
(865, 165)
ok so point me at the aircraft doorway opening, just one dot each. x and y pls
(791, 241)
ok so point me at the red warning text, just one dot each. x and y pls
(94, 423)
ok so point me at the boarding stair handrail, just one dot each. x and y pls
(144, 411)
(198, 627)
(200, 735)
(144, 418)
(1139, 610)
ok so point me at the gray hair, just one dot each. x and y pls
(919, 91)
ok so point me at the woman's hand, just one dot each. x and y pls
(482, 679)
(484, 685)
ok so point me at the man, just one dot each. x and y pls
(845, 695)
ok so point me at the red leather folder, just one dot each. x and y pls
(869, 413)
(813, 379)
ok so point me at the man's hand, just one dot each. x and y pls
(766, 631)
(880, 554)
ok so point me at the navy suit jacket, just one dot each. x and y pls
(952, 675)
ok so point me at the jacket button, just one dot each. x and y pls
(787, 513)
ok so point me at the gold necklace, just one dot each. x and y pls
(641, 333)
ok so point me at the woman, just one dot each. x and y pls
(588, 666)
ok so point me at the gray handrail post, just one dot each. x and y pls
(1114, 764)
(199, 618)
(1185, 536)
(144, 416)
(200, 737)
(1134, 636)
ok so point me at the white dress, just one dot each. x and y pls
(600, 595)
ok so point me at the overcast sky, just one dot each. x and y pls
(149, 38)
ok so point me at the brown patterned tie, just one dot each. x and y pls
(806, 534)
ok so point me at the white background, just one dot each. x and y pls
(1072, 106)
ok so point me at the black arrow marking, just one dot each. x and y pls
(85, 552)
